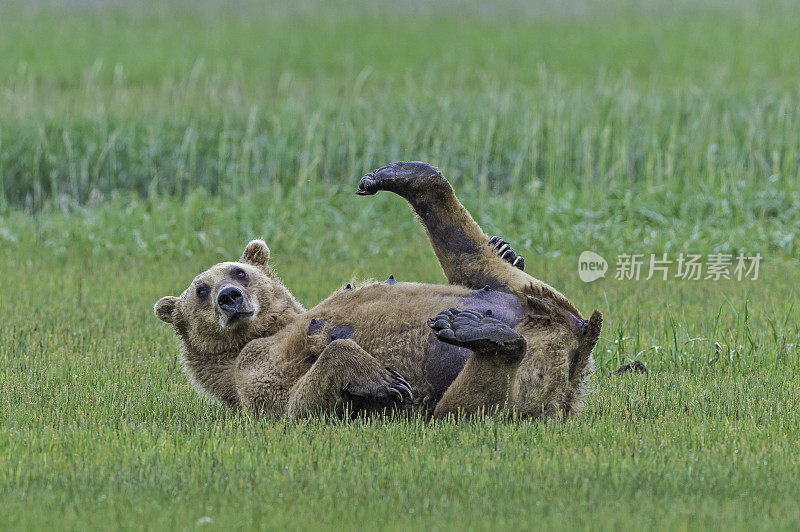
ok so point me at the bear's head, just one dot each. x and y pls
(228, 305)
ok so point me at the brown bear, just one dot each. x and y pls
(494, 338)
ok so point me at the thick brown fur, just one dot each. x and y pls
(284, 360)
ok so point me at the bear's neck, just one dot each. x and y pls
(213, 374)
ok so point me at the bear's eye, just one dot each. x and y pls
(238, 273)
(202, 291)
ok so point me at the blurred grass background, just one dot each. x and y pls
(139, 144)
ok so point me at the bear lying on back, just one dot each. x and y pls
(432, 349)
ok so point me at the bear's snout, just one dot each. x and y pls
(235, 306)
(230, 299)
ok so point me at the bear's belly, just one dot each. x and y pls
(443, 363)
(428, 363)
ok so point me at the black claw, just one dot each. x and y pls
(404, 390)
(503, 249)
(393, 392)
(400, 378)
(386, 385)
(399, 383)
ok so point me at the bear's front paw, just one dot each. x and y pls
(502, 248)
(384, 386)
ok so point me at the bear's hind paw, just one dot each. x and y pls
(476, 331)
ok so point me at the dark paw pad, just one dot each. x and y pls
(397, 176)
(477, 331)
(503, 248)
(368, 185)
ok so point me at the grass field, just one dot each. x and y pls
(140, 145)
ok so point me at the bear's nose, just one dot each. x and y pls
(229, 299)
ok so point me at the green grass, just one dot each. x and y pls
(139, 145)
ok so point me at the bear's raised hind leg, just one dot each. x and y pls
(497, 349)
(458, 241)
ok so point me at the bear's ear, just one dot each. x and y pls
(165, 308)
(256, 253)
